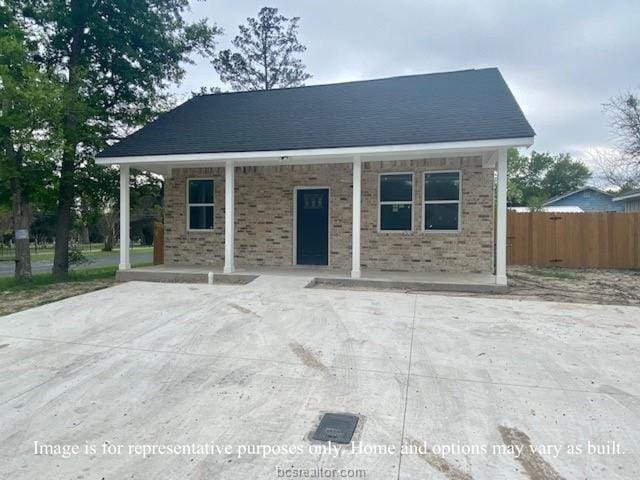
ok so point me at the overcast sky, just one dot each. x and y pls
(562, 59)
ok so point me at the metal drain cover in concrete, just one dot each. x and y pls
(336, 428)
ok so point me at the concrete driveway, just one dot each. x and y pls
(498, 389)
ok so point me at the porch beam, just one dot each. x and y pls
(125, 263)
(305, 156)
(229, 220)
(355, 232)
(501, 219)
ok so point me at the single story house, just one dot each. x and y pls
(551, 209)
(397, 174)
(629, 201)
(588, 199)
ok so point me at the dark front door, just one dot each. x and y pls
(312, 229)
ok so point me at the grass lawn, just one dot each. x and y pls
(559, 273)
(47, 253)
(43, 288)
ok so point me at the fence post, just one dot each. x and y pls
(158, 243)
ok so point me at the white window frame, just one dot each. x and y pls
(189, 205)
(427, 202)
(404, 202)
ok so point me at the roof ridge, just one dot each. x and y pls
(578, 190)
(350, 82)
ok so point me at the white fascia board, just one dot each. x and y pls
(627, 196)
(372, 153)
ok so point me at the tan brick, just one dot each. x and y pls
(264, 218)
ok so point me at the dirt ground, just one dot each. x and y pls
(605, 287)
(17, 300)
(602, 287)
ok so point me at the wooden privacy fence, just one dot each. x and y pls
(158, 243)
(596, 240)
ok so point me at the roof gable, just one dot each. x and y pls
(557, 198)
(589, 199)
(446, 107)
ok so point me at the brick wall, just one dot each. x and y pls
(264, 218)
(192, 248)
(470, 250)
(264, 212)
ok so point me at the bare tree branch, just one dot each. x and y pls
(624, 116)
(616, 169)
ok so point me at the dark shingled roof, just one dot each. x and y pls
(439, 107)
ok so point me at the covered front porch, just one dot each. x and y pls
(493, 156)
(319, 277)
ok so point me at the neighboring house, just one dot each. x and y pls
(630, 201)
(588, 199)
(395, 174)
(551, 209)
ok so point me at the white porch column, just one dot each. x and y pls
(125, 263)
(229, 222)
(355, 235)
(501, 219)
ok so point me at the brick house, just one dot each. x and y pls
(398, 174)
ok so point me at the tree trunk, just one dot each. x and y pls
(84, 234)
(70, 127)
(108, 224)
(84, 226)
(63, 223)
(108, 242)
(21, 211)
(21, 217)
(265, 63)
(20, 208)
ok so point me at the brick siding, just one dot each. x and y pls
(264, 203)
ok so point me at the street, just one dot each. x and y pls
(44, 266)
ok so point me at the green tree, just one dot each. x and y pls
(266, 56)
(536, 178)
(99, 194)
(28, 97)
(114, 61)
(526, 175)
(146, 205)
(565, 175)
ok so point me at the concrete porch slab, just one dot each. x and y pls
(321, 277)
(415, 282)
(151, 274)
